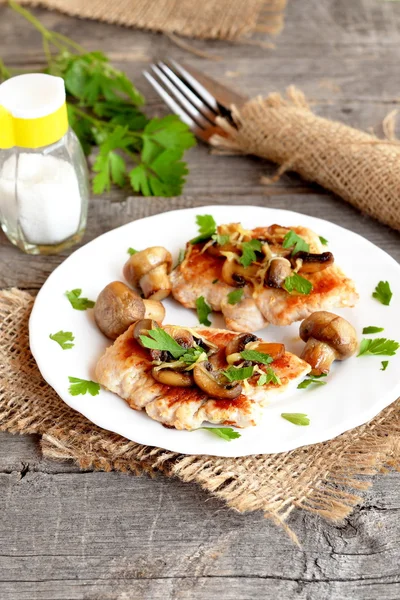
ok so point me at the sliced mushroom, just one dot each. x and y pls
(181, 335)
(274, 349)
(214, 383)
(149, 269)
(311, 263)
(170, 377)
(117, 307)
(328, 337)
(236, 275)
(247, 341)
(142, 327)
(238, 343)
(279, 268)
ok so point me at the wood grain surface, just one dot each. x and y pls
(71, 535)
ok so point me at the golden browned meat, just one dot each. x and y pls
(260, 306)
(125, 368)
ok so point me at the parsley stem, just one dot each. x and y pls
(67, 40)
(29, 17)
(103, 124)
(4, 72)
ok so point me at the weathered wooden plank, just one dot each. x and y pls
(77, 535)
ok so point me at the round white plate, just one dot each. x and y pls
(356, 390)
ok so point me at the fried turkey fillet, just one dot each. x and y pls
(125, 369)
(194, 277)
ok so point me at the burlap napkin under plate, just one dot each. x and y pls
(320, 478)
(208, 19)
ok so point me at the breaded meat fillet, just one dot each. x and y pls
(125, 369)
(200, 274)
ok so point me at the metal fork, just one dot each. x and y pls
(195, 97)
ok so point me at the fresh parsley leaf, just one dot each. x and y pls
(207, 228)
(203, 310)
(269, 377)
(90, 77)
(238, 373)
(215, 281)
(110, 166)
(292, 239)
(192, 355)
(311, 380)
(378, 346)
(83, 386)
(132, 251)
(323, 240)
(235, 296)
(226, 433)
(296, 418)
(161, 171)
(296, 283)
(249, 250)
(158, 339)
(372, 329)
(77, 302)
(383, 293)
(257, 357)
(220, 239)
(384, 364)
(63, 338)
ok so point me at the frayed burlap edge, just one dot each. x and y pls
(211, 19)
(325, 478)
(357, 166)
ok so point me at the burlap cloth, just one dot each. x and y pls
(205, 19)
(322, 478)
(359, 167)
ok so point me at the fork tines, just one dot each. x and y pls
(185, 96)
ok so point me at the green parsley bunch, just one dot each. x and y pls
(105, 111)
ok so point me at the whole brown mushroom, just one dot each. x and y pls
(117, 307)
(149, 270)
(328, 337)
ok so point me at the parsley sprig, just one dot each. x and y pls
(105, 111)
(297, 283)
(158, 339)
(74, 296)
(65, 339)
(235, 296)
(298, 243)
(249, 250)
(203, 310)
(207, 228)
(83, 386)
(312, 380)
(226, 433)
(238, 373)
(269, 377)
(378, 346)
(296, 418)
(383, 293)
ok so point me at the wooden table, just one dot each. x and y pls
(66, 534)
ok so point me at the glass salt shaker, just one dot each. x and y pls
(44, 183)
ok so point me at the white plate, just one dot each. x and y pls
(356, 389)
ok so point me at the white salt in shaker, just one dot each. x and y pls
(44, 185)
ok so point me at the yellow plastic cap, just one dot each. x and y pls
(33, 112)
